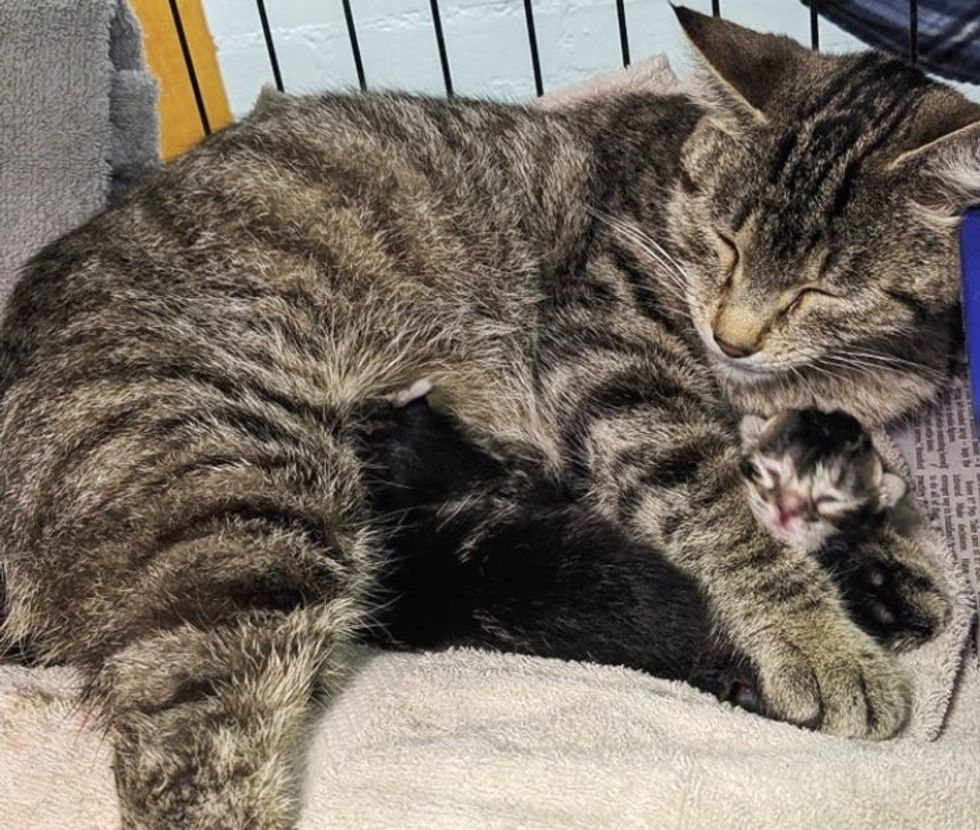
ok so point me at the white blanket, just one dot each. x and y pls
(466, 739)
(472, 740)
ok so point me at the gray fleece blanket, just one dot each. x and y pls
(466, 739)
(77, 118)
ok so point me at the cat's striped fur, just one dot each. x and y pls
(182, 509)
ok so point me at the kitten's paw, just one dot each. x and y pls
(742, 690)
(821, 672)
(890, 591)
(732, 680)
(899, 606)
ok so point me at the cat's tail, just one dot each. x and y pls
(211, 607)
(210, 704)
(210, 725)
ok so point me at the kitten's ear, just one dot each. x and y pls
(751, 428)
(750, 66)
(943, 122)
(891, 490)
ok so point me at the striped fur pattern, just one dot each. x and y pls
(184, 512)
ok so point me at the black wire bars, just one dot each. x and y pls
(618, 7)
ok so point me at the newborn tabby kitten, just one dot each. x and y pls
(814, 475)
(816, 481)
(487, 552)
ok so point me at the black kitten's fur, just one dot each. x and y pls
(482, 555)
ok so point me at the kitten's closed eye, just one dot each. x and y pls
(773, 475)
(748, 470)
(834, 506)
(763, 476)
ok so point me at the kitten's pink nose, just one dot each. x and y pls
(731, 349)
(790, 505)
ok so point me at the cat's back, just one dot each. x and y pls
(311, 194)
(324, 249)
(306, 196)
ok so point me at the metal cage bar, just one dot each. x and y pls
(185, 50)
(914, 31)
(447, 76)
(621, 19)
(354, 46)
(270, 47)
(624, 39)
(532, 40)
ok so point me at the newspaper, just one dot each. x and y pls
(942, 448)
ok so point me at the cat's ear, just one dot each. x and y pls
(750, 66)
(941, 147)
(944, 122)
(751, 428)
(890, 490)
(268, 100)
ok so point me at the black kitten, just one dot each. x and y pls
(495, 555)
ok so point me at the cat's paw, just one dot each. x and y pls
(821, 672)
(890, 590)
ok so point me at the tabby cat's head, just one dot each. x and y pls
(816, 218)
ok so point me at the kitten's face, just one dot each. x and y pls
(812, 277)
(810, 475)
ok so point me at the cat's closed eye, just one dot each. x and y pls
(728, 254)
(805, 295)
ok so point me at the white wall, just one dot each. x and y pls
(486, 40)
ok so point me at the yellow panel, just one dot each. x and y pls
(180, 121)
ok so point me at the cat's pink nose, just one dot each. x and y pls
(731, 349)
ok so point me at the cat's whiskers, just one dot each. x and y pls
(871, 356)
(874, 362)
(676, 305)
(646, 244)
(671, 277)
(850, 366)
(894, 360)
(823, 371)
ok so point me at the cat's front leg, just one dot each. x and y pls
(660, 458)
(815, 666)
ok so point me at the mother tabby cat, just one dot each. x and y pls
(603, 290)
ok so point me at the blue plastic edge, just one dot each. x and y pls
(970, 269)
